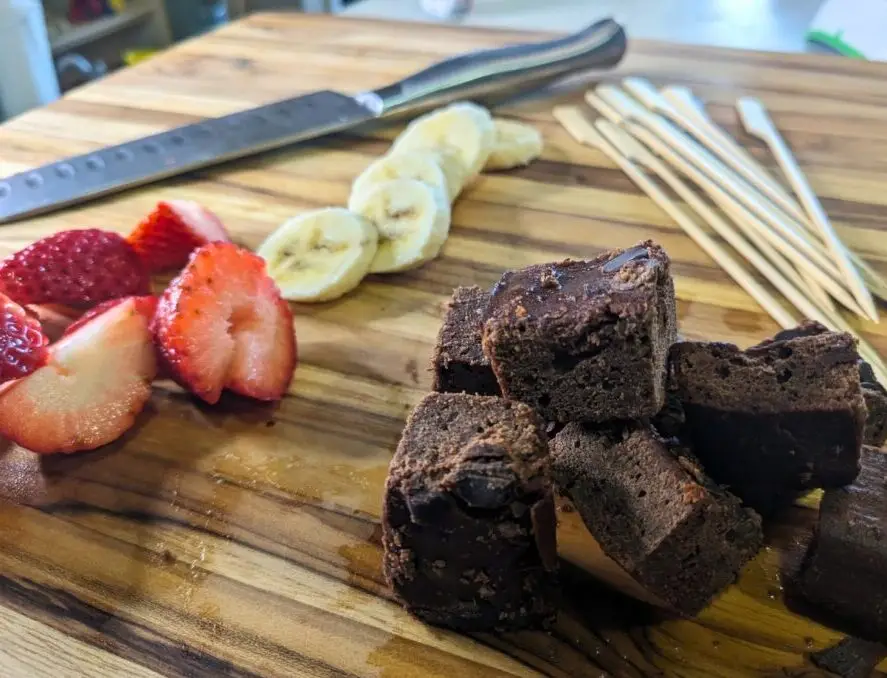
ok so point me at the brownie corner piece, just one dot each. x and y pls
(459, 364)
(844, 569)
(468, 524)
(876, 406)
(654, 511)
(775, 419)
(585, 340)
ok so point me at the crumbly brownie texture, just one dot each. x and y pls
(468, 520)
(776, 419)
(844, 569)
(459, 363)
(876, 403)
(654, 512)
(585, 340)
(873, 392)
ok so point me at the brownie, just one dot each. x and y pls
(654, 512)
(873, 391)
(845, 569)
(459, 363)
(468, 524)
(876, 404)
(776, 419)
(585, 340)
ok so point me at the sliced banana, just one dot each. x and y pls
(516, 145)
(463, 128)
(422, 166)
(320, 255)
(413, 220)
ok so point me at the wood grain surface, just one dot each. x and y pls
(243, 540)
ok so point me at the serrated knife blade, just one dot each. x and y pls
(209, 142)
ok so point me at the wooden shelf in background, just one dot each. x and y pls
(86, 33)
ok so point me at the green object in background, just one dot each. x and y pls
(192, 17)
(854, 28)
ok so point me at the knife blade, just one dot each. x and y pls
(215, 140)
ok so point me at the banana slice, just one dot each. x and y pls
(320, 255)
(463, 128)
(516, 145)
(422, 166)
(413, 221)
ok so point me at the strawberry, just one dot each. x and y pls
(74, 267)
(144, 305)
(96, 381)
(222, 324)
(22, 341)
(167, 236)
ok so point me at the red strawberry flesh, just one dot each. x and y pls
(168, 235)
(89, 393)
(222, 324)
(78, 268)
(23, 344)
(145, 305)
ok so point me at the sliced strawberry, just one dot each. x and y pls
(23, 345)
(79, 268)
(96, 381)
(145, 305)
(222, 324)
(167, 236)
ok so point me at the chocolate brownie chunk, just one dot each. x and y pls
(876, 403)
(654, 512)
(468, 522)
(844, 570)
(459, 363)
(776, 419)
(585, 340)
(873, 392)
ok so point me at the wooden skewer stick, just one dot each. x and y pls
(720, 196)
(616, 113)
(757, 122)
(795, 274)
(635, 151)
(709, 166)
(682, 99)
(729, 152)
(579, 127)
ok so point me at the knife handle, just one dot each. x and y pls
(600, 45)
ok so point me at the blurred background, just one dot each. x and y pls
(49, 47)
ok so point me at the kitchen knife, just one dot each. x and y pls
(183, 149)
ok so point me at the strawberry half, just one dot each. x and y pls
(88, 394)
(23, 344)
(145, 305)
(167, 236)
(222, 324)
(79, 268)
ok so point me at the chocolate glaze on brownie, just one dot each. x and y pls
(845, 570)
(653, 511)
(459, 363)
(585, 340)
(774, 420)
(468, 520)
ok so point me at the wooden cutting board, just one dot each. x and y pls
(241, 540)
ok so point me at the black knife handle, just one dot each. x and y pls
(469, 76)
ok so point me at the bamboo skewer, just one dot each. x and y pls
(682, 99)
(796, 274)
(686, 114)
(615, 115)
(714, 190)
(635, 151)
(578, 126)
(757, 122)
(708, 167)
